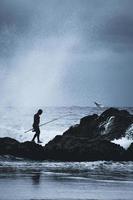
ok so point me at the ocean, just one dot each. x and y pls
(30, 180)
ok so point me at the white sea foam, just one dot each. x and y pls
(124, 142)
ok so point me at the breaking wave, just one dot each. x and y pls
(126, 141)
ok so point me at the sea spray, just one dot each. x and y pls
(123, 142)
(126, 141)
(106, 126)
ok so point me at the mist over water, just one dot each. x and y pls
(36, 74)
(37, 51)
(58, 53)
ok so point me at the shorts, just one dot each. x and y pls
(36, 129)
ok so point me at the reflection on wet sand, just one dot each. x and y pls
(57, 180)
(36, 178)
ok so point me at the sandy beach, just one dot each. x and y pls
(20, 180)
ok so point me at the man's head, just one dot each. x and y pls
(40, 111)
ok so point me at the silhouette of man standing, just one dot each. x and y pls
(36, 123)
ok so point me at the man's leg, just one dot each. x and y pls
(34, 137)
(38, 135)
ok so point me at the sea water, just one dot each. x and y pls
(24, 179)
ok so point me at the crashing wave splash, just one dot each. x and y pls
(126, 141)
(106, 126)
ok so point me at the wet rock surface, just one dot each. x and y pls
(29, 150)
(87, 141)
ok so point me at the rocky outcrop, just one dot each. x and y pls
(91, 138)
(87, 141)
(111, 124)
(129, 154)
(30, 150)
(66, 148)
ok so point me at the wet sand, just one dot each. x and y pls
(61, 186)
(29, 180)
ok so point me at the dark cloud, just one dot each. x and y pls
(14, 14)
(15, 18)
(108, 25)
(117, 33)
(120, 26)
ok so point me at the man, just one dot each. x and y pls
(36, 123)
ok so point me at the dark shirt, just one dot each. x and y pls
(36, 120)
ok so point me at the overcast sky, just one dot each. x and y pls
(66, 52)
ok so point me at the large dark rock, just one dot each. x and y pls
(111, 124)
(91, 139)
(114, 123)
(87, 141)
(31, 150)
(88, 127)
(68, 148)
(8, 146)
(129, 153)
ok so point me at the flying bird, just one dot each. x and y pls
(98, 105)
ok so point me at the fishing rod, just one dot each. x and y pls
(47, 122)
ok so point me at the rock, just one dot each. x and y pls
(87, 141)
(8, 146)
(91, 139)
(30, 150)
(68, 148)
(111, 124)
(88, 127)
(115, 129)
(129, 153)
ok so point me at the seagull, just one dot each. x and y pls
(98, 105)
